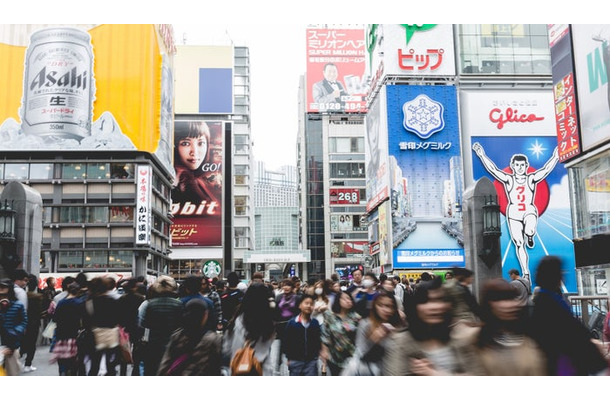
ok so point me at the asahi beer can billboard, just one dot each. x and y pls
(58, 84)
(87, 87)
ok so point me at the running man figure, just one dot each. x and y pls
(520, 187)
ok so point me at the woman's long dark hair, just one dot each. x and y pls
(195, 130)
(497, 290)
(418, 328)
(395, 319)
(256, 312)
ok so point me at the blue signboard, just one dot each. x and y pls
(426, 184)
(536, 219)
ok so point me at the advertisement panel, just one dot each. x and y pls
(424, 149)
(336, 80)
(591, 59)
(407, 49)
(344, 196)
(204, 79)
(60, 86)
(564, 91)
(531, 184)
(197, 196)
(376, 153)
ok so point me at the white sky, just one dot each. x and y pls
(277, 59)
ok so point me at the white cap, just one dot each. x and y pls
(242, 286)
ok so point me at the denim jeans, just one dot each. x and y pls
(303, 368)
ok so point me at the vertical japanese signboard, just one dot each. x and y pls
(336, 80)
(143, 211)
(566, 110)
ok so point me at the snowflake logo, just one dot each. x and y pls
(423, 116)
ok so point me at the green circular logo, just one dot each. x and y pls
(211, 268)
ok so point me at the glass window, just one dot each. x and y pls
(98, 171)
(591, 182)
(241, 205)
(121, 214)
(96, 259)
(70, 259)
(41, 171)
(121, 171)
(120, 258)
(16, 171)
(504, 49)
(1, 171)
(73, 214)
(73, 171)
(97, 214)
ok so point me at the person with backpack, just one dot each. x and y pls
(193, 350)
(252, 327)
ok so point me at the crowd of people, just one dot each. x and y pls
(370, 326)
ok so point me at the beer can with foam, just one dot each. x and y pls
(58, 87)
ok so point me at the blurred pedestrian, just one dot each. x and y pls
(464, 304)
(373, 337)
(160, 315)
(48, 293)
(28, 346)
(68, 316)
(504, 344)
(339, 333)
(286, 308)
(565, 341)
(427, 347)
(129, 303)
(192, 286)
(321, 302)
(13, 323)
(20, 283)
(102, 316)
(193, 350)
(253, 322)
(364, 296)
(207, 292)
(231, 298)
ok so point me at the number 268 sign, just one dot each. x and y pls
(344, 196)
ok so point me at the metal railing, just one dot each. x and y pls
(591, 310)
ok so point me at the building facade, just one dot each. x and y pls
(213, 87)
(101, 162)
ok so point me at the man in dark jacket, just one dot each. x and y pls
(302, 342)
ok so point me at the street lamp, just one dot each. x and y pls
(491, 230)
(7, 222)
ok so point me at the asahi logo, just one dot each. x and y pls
(52, 78)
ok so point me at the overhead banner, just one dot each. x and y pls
(336, 80)
(531, 184)
(425, 176)
(197, 196)
(87, 87)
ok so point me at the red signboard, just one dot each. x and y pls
(568, 140)
(197, 196)
(344, 196)
(336, 80)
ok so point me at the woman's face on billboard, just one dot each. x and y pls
(192, 151)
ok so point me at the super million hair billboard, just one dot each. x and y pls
(87, 87)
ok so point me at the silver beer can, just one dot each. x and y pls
(58, 84)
